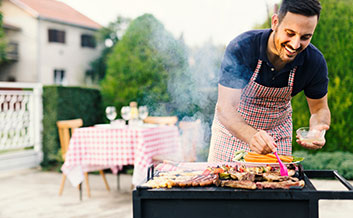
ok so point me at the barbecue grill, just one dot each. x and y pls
(214, 202)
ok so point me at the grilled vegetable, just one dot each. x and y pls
(224, 175)
(239, 155)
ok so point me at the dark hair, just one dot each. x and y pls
(303, 7)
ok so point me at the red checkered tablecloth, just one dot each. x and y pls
(96, 148)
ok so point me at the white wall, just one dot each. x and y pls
(70, 56)
(25, 70)
(38, 58)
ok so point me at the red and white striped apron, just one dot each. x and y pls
(262, 107)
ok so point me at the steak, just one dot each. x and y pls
(246, 184)
(283, 185)
(243, 176)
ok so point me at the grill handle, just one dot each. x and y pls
(343, 180)
(150, 172)
(328, 174)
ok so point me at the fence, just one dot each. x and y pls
(20, 125)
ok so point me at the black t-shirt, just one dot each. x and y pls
(243, 52)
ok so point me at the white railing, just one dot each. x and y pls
(20, 120)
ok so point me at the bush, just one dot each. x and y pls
(63, 103)
(340, 161)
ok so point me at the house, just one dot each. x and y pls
(48, 42)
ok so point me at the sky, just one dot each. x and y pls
(198, 20)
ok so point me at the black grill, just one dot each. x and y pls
(214, 202)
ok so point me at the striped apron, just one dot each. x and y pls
(263, 108)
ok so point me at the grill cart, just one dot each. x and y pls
(214, 202)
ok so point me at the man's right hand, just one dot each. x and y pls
(262, 143)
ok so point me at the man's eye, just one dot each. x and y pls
(306, 37)
(290, 34)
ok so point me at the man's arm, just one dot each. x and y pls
(228, 101)
(320, 119)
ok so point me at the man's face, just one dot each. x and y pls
(292, 35)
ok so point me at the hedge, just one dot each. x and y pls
(338, 160)
(62, 103)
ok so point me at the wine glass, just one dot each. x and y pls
(110, 112)
(143, 112)
(126, 112)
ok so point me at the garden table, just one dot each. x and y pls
(97, 148)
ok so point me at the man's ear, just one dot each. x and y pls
(274, 22)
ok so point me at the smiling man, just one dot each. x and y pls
(260, 73)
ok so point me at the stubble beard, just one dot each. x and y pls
(281, 50)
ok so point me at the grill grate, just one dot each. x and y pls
(228, 202)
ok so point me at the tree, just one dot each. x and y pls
(108, 36)
(2, 41)
(143, 67)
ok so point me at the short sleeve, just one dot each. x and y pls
(234, 69)
(318, 86)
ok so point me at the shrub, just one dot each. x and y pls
(340, 161)
(63, 103)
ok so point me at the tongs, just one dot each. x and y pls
(283, 169)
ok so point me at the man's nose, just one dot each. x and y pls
(295, 43)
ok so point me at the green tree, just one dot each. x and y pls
(108, 36)
(333, 37)
(2, 41)
(144, 66)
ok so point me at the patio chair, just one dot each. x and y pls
(64, 127)
(169, 120)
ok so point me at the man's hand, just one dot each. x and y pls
(318, 144)
(262, 143)
(319, 120)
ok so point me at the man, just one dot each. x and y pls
(261, 71)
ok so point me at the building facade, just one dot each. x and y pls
(48, 42)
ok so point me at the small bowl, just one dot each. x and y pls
(310, 136)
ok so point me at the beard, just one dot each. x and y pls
(285, 52)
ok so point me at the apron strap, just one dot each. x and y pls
(291, 73)
(257, 70)
(291, 76)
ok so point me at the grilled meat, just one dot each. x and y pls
(246, 184)
(283, 185)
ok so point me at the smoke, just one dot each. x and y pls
(193, 76)
(197, 91)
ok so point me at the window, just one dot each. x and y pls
(59, 77)
(88, 41)
(56, 35)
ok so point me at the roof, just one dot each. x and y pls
(55, 11)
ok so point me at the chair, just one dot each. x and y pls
(191, 136)
(169, 120)
(64, 128)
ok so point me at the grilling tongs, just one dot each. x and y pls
(283, 169)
